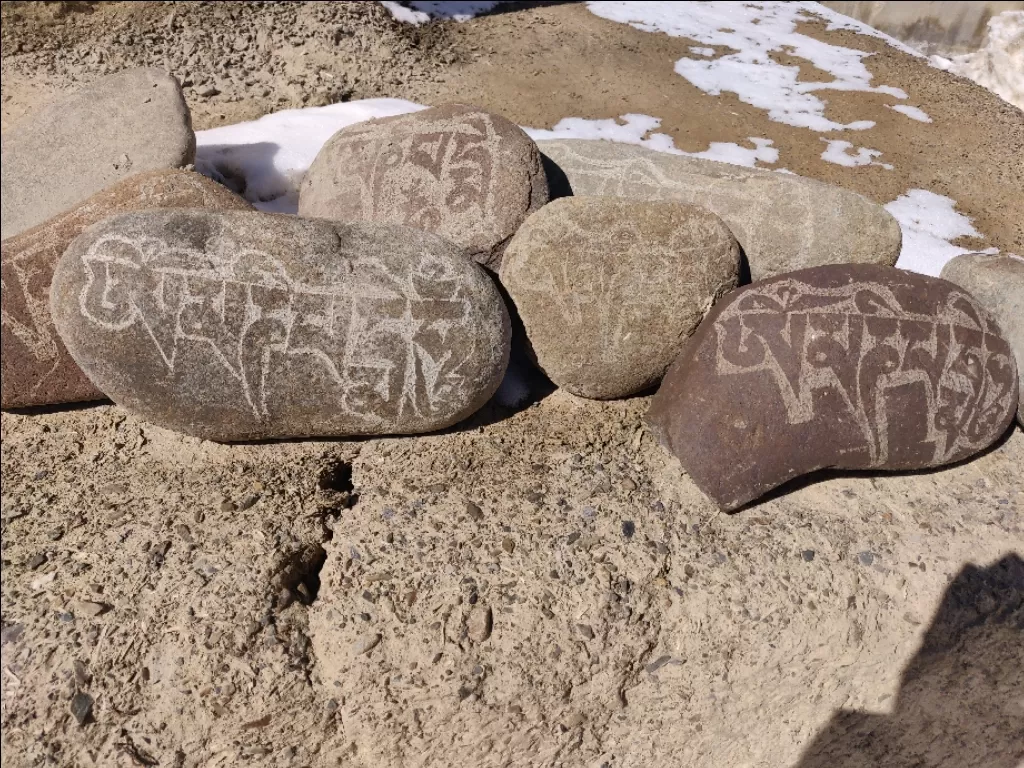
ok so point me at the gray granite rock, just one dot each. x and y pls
(118, 126)
(997, 282)
(609, 289)
(461, 172)
(240, 326)
(848, 366)
(782, 222)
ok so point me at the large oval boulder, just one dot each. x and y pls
(853, 367)
(997, 282)
(463, 173)
(118, 126)
(37, 369)
(240, 326)
(609, 289)
(783, 222)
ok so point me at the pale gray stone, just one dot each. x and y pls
(609, 289)
(246, 325)
(783, 222)
(72, 148)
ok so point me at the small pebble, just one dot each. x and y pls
(480, 623)
(807, 555)
(475, 513)
(586, 630)
(81, 707)
(367, 643)
(628, 528)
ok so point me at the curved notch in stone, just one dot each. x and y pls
(461, 172)
(852, 366)
(241, 326)
(782, 222)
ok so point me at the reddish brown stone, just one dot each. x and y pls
(846, 366)
(36, 368)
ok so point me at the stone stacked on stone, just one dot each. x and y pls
(118, 126)
(848, 366)
(783, 222)
(997, 282)
(37, 369)
(461, 172)
(242, 326)
(609, 289)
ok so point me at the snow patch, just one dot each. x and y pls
(838, 152)
(914, 113)
(417, 12)
(929, 223)
(754, 32)
(999, 64)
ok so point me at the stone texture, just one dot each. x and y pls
(238, 326)
(782, 222)
(609, 289)
(850, 366)
(463, 173)
(37, 370)
(118, 126)
(997, 282)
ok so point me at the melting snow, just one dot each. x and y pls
(999, 64)
(420, 12)
(838, 152)
(914, 113)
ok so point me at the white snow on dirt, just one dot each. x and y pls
(930, 223)
(418, 12)
(838, 152)
(914, 113)
(756, 33)
(999, 64)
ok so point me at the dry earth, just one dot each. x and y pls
(540, 586)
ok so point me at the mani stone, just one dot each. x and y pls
(118, 126)
(468, 175)
(245, 325)
(783, 222)
(609, 289)
(997, 282)
(37, 369)
(849, 366)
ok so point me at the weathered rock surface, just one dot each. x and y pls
(236, 326)
(609, 289)
(782, 222)
(853, 367)
(118, 126)
(463, 173)
(37, 369)
(997, 282)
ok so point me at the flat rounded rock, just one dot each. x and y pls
(997, 282)
(782, 222)
(609, 289)
(37, 369)
(852, 367)
(243, 326)
(458, 171)
(119, 126)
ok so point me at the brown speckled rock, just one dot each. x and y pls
(463, 173)
(609, 289)
(854, 367)
(37, 369)
(241, 326)
(118, 126)
(997, 282)
(783, 222)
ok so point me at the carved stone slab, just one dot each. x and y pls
(239, 326)
(609, 289)
(853, 366)
(37, 369)
(997, 282)
(466, 174)
(782, 222)
(72, 148)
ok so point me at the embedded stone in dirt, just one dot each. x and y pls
(609, 289)
(853, 366)
(241, 326)
(118, 126)
(37, 369)
(782, 222)
(468, 175)
(997, 282)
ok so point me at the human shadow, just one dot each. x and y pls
(959, 702)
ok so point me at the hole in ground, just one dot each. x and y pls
(335, 483)
(301, 575)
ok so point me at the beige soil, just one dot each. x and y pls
(343, 604)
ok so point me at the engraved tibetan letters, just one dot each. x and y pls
(847, 366)
(239, 326)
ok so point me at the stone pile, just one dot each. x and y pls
(384, 307)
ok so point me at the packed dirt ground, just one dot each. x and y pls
(541, 585)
